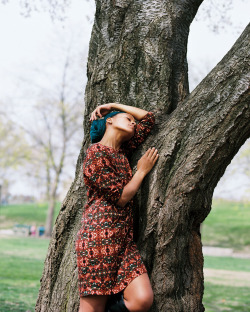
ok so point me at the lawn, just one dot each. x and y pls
(230, 297)
(22, 258)
(227, 263)
(21, 266)
(227, 225)
(218, 298)
(30, 214)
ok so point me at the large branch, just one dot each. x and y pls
(196, 143)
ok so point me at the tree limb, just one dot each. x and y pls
(196, 143)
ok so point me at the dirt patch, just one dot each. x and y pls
(243, 253)
(228, 278)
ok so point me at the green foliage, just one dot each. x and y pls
(227, 225)
(30, 214)
(21, 265)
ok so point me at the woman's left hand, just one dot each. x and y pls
(101, 111)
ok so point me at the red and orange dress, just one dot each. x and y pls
(107, 257)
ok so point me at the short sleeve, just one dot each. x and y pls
(143, 129)
(100, 175)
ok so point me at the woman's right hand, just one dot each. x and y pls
(144, 165)
(147, 161)
(101, 111)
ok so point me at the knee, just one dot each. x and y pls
(142, 301)
(145, 301)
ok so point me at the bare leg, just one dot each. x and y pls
(138, 295)
(93, 303)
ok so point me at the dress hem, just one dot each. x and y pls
(111, 292)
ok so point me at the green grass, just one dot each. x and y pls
(227, 225)
(21, 261)
(219, 298)
(21, 266)
(227, 263)
(31, 214)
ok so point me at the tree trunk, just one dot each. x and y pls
(52, 199)
(137, 56)
(50, 216)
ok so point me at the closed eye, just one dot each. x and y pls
(130, 119)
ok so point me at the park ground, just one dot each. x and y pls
(226, 243)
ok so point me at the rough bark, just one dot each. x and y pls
(137, 53)
(138, 56)
(197, 144)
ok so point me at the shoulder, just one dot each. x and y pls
(96, 151)
(97, 160)
(148, 120)
(93, 147)
(149, 115)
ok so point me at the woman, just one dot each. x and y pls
(108, 260)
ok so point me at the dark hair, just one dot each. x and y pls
(98, 127)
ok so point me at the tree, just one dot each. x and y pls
(235, 183)
(137, 55)
(14, 151)
(55, 129)
(244, 160)
(55, 135)
(55, 8)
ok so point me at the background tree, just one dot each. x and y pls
(53, 138)
(34, 76)
(14, 151)
(137, 55)
(239, 169)
(244, 160)
(56, 8)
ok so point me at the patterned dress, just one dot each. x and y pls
(107, 257)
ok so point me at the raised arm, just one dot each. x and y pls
(138, 113)
(146, 122)
(104, 109)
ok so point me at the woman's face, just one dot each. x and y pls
(125, 123)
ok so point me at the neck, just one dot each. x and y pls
(114, 141)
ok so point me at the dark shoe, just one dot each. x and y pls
(116, 304)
